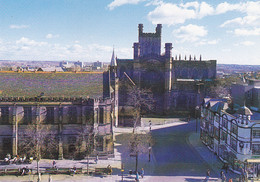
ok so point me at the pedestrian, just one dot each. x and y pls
(96, 160)
(53, 163)
(243, 175)
(74, 170)
(207, 175)
(142, 172)
(225, 167)
(223, 176)
(50, 179)
(109, 169)
(137, 177)
(150, 125)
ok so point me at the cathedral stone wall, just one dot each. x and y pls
(176, 84)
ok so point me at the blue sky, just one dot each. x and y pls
(87, 30)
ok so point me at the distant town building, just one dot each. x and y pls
(247, 93)
(97, 65)
(79, 63)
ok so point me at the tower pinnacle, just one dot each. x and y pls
(113, 59)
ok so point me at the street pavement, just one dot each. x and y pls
(177, 155)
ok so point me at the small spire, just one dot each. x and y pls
(185, 58)
(176, 57)
(190, 58)
(200, 58)
(113, 59)
(194, 58)
(179, 57)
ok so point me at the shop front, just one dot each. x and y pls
(253, 168)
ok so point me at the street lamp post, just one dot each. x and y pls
(197, 116)
(149, 148)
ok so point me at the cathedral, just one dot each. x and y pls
(177, 85)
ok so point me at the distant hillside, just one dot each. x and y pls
(232, 68)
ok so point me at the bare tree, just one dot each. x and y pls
(85, 144)
(37, 140)
(141, 101)
(139, 144)
(222, 86)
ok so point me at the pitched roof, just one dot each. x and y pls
(51, 69)
(60, 84)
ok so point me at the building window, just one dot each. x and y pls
(225, 121)
(7, 145)
(233, 143)
(217, 118)
(256, 133)
(4, 115)
(89, 115)
(223, 136)
(27, 117)
(72, 115)
(99, 144)
(216, 133)
(49, 115)
(101, 115)
(256, 149)
(234, 128)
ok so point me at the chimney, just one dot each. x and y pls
(168, 50)
(136, 50)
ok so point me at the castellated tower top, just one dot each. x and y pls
(149, 43)
(158, 31)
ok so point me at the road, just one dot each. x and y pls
(173, 154)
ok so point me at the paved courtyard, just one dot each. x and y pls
(177, 155)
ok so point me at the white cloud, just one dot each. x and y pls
(250, 8)
(225, 7)
(171, 14)
(205, 10)
(18, 26)
(154, 3)
(27, 42)
(207, 42)
(247, 20)
(27, 49)
(190, 33)
(246, 32)
(117, 3)
(51, 36)
(245, 43)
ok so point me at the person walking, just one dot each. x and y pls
(142, 173)
(53, 163)
(96, 160)
(223, 176)
(137, 177)
(207, 176)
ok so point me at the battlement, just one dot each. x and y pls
(149, 43)
(158, 31)
(46, 99)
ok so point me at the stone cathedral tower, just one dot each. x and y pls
(176, 85)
